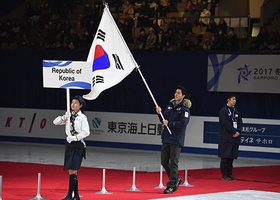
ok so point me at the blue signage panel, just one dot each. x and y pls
(261, 135)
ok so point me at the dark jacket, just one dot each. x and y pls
(178, 117)
(228, 145)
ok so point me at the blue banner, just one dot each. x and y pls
(260, 135)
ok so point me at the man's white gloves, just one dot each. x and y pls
(66, 116)
(71, 139)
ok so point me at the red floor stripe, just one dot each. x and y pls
(20, 182)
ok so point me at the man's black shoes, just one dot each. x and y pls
(177, 184)
(226, 178)
(168, 190)
(232, 177)
(172, 187)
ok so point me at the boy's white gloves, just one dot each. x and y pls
(71, 139)
(66, 116)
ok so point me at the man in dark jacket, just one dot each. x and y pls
(176, 118)
(230, 125)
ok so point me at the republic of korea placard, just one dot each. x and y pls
(67, 74)
(243, 73)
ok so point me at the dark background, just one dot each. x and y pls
(22, 85)
(7, 6)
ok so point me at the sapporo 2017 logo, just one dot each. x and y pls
(244, 73)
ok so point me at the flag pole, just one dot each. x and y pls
(68, 105)
(150, 92)
(68, 99)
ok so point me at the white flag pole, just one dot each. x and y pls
(138, 68)
(68, 99)
(68, 106)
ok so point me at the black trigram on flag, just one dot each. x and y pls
(117, 62)
(101, 35)
(97, 79)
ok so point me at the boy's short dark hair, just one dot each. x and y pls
(182, 88)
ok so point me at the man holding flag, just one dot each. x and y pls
(177, 116)
(111, 62)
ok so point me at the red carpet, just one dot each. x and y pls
(20, 182)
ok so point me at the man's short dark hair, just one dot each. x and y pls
(230, 95)
(182, 88)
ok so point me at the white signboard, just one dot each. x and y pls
(67, 74)
(112, 128)
(243, 73)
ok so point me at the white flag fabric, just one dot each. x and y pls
(111, 58)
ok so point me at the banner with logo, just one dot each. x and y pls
(243, 73)
(66, 74)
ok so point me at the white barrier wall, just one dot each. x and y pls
(126, 129)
